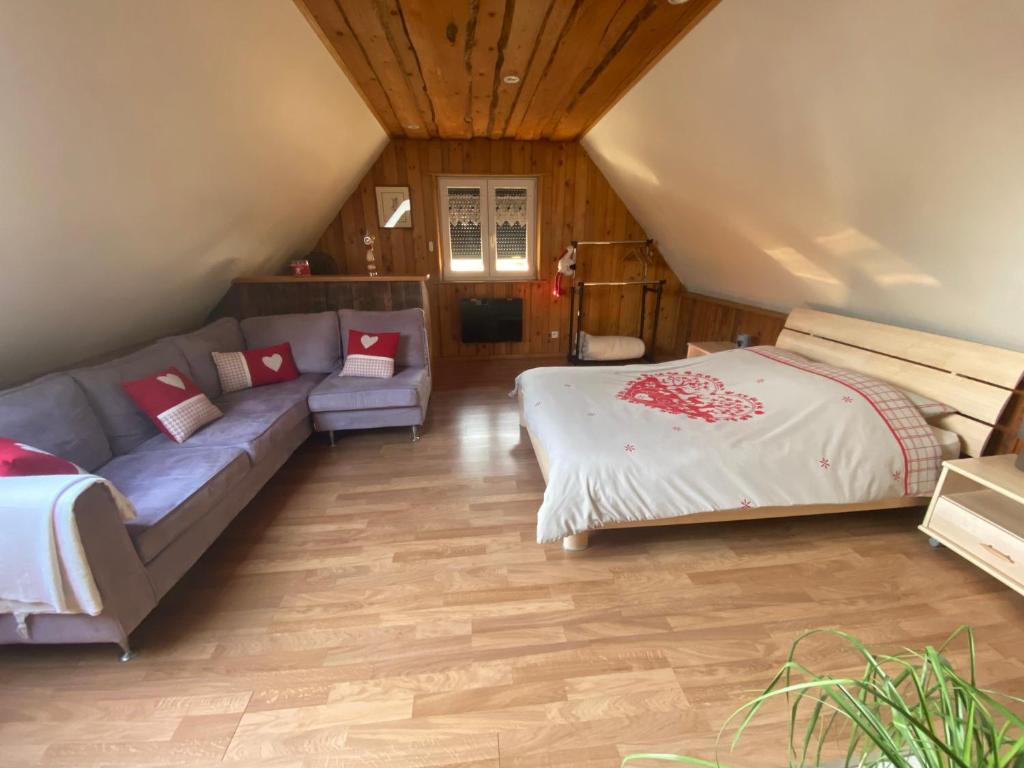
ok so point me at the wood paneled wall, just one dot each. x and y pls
(576, 202)
(705, 318)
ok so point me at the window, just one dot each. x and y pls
(488, 227)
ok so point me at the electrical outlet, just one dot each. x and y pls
(430, 246)
(554, 334)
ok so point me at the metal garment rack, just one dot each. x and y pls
(578, 294)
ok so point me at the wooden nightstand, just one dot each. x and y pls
(698, 348)
(978, 512)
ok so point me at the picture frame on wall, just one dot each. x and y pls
(394, 208)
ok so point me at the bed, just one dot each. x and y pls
(820, 423)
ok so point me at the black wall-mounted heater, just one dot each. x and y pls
(491, 320)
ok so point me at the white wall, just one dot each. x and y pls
(862, 156)
(151, 151)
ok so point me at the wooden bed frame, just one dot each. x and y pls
(976, 379)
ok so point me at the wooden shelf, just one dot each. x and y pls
(994, 507)
(331, 279)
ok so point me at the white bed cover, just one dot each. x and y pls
(743, 428)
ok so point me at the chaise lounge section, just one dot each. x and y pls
(186, 494)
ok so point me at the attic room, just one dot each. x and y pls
(493, 383)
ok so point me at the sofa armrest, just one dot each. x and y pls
(117, 572)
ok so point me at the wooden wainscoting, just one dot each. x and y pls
(706, 318)
(576, 202)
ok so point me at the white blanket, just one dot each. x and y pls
(611, 347)
(43, 567)
(743, 428)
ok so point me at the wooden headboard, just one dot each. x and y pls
(976, 379)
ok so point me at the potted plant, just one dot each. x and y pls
(911, 710)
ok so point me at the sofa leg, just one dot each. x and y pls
(330, 434)
(415, 433)
(127, 653)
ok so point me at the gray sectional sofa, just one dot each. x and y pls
(187, 494)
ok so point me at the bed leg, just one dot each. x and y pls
(576, 543)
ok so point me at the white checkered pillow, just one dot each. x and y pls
(371, 354)
(173, 402)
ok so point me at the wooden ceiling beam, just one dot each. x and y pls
(484, 52)
(524, 20)
(561, 15)
(437, 30)
(377, 42)
(624, 66)
(594, 31)
(392, 21)
(435, 68)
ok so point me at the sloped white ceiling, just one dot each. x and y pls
(151, 151)
(861, 156)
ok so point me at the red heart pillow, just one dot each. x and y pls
(255, 367)
(20, 460)
(173, 402)
(371, 354)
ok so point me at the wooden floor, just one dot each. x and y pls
(384, 604)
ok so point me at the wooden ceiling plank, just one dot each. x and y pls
(392, 20)
(437, 30)
(485, 58)
(525, 20)
(335, 32)
(365, 22)
(624, 67)
(595, 32)
(559, 17)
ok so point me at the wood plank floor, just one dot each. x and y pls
(383, 603)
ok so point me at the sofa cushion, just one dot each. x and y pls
(172, 489)
(407, 388)
(126, 426)
(54, 415)
(316, 344)
(222, 335)
(253, 418)
(412, 347)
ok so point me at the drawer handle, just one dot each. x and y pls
(995, 551)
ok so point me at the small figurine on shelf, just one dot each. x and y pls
(300, 268)
(371, 260)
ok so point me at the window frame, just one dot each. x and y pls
(487, 185)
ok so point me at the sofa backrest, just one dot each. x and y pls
(412, 346)
(314, 337)
(127, 426)
(224, 335)
(53, 414)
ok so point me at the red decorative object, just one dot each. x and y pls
(173, 402)
(695, 395)
(300, 268)
(255, 367)
(20, 460)
(371, 354)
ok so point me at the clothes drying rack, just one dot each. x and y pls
(578, 294)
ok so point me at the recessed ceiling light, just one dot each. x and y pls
(676, 2)
(511, 79)
(413, 127)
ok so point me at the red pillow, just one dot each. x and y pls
(255, 367)
(371, 354)
(20, 460)
(174, 403)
